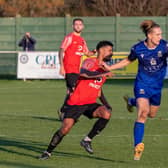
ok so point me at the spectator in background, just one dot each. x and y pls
(27, 42)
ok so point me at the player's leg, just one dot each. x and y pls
(71, 114)
(130, 102)
(71, 81)
(67, 124)
(104, 115)
(153, 111)
(155, 101)
(143, 108)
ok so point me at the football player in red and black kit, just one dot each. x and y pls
(72, 48)
(82, 101)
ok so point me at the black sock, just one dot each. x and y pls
(56, 139)
(98, 127)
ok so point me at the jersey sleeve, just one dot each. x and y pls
(66, 42)
(132, 56)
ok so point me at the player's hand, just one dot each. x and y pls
(90, 53)
(94, 51)
(109, 74)
(62, 71)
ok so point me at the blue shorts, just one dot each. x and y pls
(152, 94)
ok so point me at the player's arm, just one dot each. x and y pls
(65, 43)
(90, 53)
(118, 65)
(131, 57)
(104, 101)
(61, 56)
(86, 51)
(94, 74)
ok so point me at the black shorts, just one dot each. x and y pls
(71, 80)
(75, 111)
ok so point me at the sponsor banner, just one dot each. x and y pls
(38, 65)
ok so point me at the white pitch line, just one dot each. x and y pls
(120, 136)
(109, 136)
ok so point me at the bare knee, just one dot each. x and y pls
(143, 115)
(65, 130)
(105, 114)
(150, 115)
(66, 126)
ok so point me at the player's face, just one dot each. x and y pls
(155, 36)
(108, 52)
(78, 26)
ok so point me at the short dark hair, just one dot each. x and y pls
(77, 19)
(103, 44)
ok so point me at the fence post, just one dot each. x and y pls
(117, 32)
(17, 31)
(67, 23)
(166, 27)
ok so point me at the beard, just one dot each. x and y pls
(77, 31)
(108, 58)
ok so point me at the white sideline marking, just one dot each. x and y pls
(109, 136)
(120, 136)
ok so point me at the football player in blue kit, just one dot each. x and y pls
(151, 55)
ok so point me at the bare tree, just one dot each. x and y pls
(124, 7)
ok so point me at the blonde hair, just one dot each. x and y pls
(148, 25)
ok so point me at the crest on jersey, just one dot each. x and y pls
(141, 91)
(142, 55)
(159, 54)
(88, 63)
(98, 80)
(153, 61)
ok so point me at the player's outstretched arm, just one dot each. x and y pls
(118, 65)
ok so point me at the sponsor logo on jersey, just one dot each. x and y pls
(93, 85)
(141, 91)
(99, 80)
(96, 84)
(153, 61)
(80, 48)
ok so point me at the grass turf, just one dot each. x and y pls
(28, 119)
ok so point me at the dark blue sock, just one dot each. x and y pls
(132, 101)
(138, 132)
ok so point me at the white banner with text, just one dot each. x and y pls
(38, 65)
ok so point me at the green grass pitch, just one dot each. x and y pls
(28, 119)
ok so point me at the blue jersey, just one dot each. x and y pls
(152, 63)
